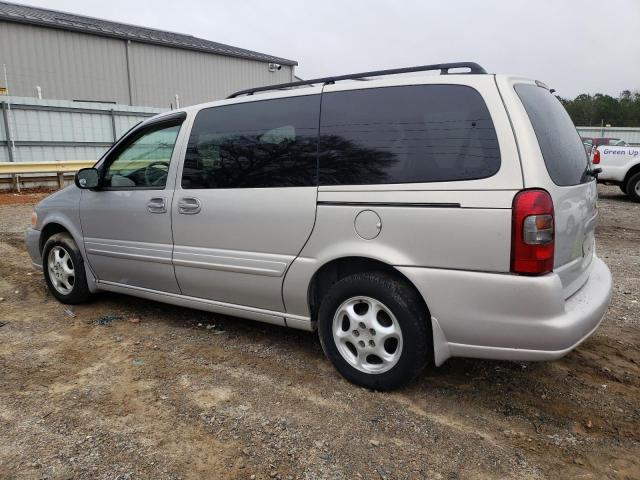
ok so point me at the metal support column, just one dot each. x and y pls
(7, 130)
(127, 45)
(15, 179)
(113, 126)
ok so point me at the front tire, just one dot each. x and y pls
(63, 268)
(375, 330)
(632, 187)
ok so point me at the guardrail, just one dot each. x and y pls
(15, 169)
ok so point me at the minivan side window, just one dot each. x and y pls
(144, 163)
(266, 143)
(406, 134)
(560, 144)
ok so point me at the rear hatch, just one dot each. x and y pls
(573, 191)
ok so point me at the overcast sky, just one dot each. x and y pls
(575, 46)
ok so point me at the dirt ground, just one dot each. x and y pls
(165, 393)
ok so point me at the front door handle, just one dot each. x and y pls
(189, 206)
(157, 205)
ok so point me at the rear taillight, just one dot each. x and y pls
(596, 157)
(532, 234)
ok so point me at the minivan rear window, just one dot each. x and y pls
(406, 134)
(561, 146)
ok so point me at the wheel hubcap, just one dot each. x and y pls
(61, 270)
(637, 188)
(367, 335)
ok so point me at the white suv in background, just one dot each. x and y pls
(407, 219)
(619, 165)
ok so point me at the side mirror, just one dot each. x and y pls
(87, 178)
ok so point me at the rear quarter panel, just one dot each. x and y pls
(419, 226)
(574, 206)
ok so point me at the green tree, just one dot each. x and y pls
(599, 109)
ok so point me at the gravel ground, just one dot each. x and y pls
(166, 392)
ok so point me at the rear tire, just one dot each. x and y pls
(63, 268)
(632, 187)
(375, 330)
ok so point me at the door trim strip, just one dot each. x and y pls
(129, 256)
(390, 204)
(277, 271)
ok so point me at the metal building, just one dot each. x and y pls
(57, 55)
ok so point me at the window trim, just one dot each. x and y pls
(132, 135)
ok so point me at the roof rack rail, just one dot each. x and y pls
(443, 67)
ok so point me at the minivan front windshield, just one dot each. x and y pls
(561, 146)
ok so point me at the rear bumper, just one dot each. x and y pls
(32, 242)
(510, 317)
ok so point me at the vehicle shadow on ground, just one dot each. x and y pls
(183, 317)
(620, 197)
(301, 346)
(456, 373)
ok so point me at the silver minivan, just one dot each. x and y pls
(408, 219)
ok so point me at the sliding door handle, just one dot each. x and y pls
(189, 206)
(157, 205)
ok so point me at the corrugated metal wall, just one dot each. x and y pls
(66, 65)
(158, 73)
(76, 66)
(628, 134)
(47, 130)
